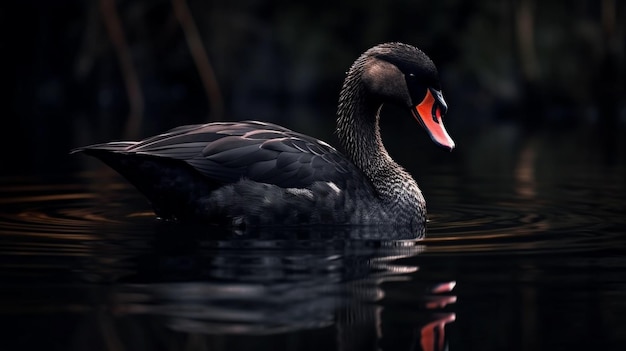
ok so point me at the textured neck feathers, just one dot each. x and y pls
(359, 132)
(357, 121)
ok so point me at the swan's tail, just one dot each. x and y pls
(170, 185)
(116, 146)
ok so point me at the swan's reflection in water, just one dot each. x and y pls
(74, 280)
(355, 294)
(141, 285)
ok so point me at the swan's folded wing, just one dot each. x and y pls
(263, 152)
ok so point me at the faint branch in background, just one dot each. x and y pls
(198, 53)
(608, 17)
(113, 26)
(609, 88)
(612, 31)
(525, 35)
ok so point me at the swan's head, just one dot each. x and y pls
(404, 75)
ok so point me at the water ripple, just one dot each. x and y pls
(563, 218)
(62, 214)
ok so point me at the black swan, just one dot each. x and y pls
(254, 173)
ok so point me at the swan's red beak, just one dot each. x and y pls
(428, 113)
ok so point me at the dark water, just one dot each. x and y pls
(523, 261)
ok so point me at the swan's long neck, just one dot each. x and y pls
(358, 129)
(359, 132)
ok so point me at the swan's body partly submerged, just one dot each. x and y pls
(255, 173)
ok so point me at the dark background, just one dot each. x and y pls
(536, 91)
(82, 72)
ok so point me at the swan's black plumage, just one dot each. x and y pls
(261, 152)
(257, 173)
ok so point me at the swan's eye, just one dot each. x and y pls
(417, 88)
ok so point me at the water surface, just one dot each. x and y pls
(508, 262)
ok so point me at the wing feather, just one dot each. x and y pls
(227, 152)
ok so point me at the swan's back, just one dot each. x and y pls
(242, 172)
